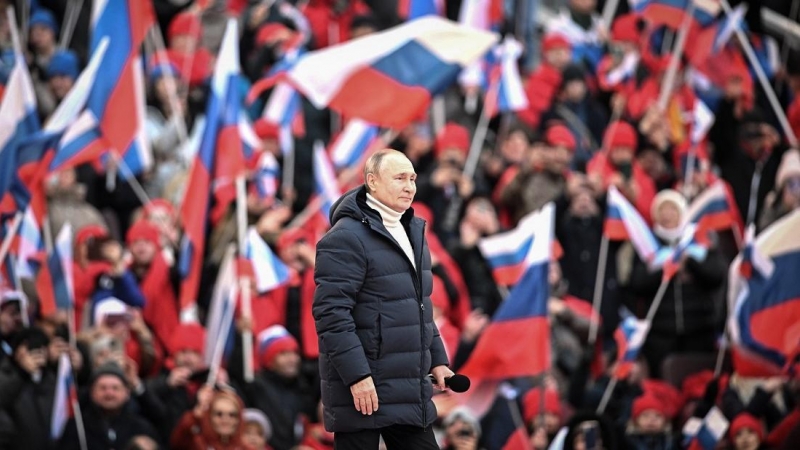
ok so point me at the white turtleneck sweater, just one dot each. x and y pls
(391, 220)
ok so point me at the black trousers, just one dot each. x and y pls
(396, 437)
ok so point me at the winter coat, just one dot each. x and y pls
(374, 316)
(659, 441)
(105, 432)
(283, 402)
(175, 401)
(29, 405)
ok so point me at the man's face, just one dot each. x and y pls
(10, 318)
(574, 91)
(143, 251)
(514, 147)
(559, 57)
(746, 439)
(189, 359)
(651, 421)
(395, 184)
(60, 85)
(42, 37)
(109, 393)
(287, 364)
(560, 158)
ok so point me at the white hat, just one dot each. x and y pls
(110, 306)
(790, 166)
(668, 195)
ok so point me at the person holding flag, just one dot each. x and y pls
(684, 322)
(379, 348)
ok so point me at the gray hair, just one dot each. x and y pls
(374, 162)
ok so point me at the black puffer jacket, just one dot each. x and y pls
(374, 317)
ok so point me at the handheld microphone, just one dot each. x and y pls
(456, 383)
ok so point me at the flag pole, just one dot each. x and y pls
(672, 70)
(516, 415)
(762, 78)
(5, 247)
(26, 321)
(651, 313)
(608, 13)
(687, 177)
(288, 166)
(216, 360)
(244, 281)
(134, 183)
(597, 299)
(69, 24)
(721, 352)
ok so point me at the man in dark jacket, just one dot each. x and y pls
(374, 316)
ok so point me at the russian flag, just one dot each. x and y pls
(712, 39)
(705, 434)
(219, 323)
(629, 336)
(398, 70)
(266, 176)
(55, 282)
(413, 9)
(507, 253)
(326, 186)
(349, 148)
(764, 296)
(270, 271)
(284, 106)
(702, 120)
(691, 243)
(672, 12)
(517, 341)
(623, 223)
(220, 158)
(65, 397)
(714, 209)
(482, 14)
(30, 243)
(505, 93)
(117, 99)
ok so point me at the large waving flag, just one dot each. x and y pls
(623, 222)
(517, 341)
(715, 209)
(713, 38)
(270, 271)
(630, 337)
(117, 98)
(266, 176)
(220, 159)
(326, 186)
(55, 282)
(672, 12)
(219, 324)
(398, 70)
(349, 148)
(508, 253)
(66, 396)
(764, 296)
(505, 93)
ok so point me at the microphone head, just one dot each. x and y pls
(457, 383)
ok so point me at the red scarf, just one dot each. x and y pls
(161, 306)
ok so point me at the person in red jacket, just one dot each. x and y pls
(617, 167)
(216, 423)
(543, 84)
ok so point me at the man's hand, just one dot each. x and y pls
(179, 376)
(439, 374)
(365, 397)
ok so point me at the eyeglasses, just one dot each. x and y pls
(229, 414)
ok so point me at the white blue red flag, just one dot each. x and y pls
(629, 336)
(482, 14)
(219, 160)
(508, 253)
(702, 120)
(398, 70)
(715, 209)
(505, 92)
(705, 433)
(672, 12)
(266, 176)
(349, 148)
(64, 399)
(270, 272)
(326, 186)
(55, 282)
(623, 222)
(221, 312)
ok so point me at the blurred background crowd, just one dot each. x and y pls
(593, 119)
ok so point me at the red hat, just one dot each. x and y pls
(439, 296)
(532, 402)
(624, 135)
(185, 23)
(626, 29)
(647, 402)
(274, 341)
(187, 336)
(265, 129)
(555, 41)
(745, 420)
(694, 385)
(271, 32)
(667, 394)
(559, 135)
(452, 136)
(144, 230)
(90, 232)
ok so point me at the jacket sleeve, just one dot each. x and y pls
(11, 383)
(339, 273)
(438, 353)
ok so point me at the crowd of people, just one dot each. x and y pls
(590, 125)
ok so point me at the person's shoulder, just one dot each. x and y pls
(344, 230)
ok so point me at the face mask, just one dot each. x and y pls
(671, 235)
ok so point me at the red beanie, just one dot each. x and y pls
(554, 41)
(187, 336)
(185, 23)
(646, 402)
(89, 232)
(745, 420)
(273, 341)
(669, 396)
(532, 403)
(157, 205)
(439, 296)
(265, 129)
(559, 135)
(694, 385)
(144, 230)
(452, 136)
(626, 29)
(624, 135)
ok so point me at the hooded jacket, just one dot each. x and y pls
(374, 317)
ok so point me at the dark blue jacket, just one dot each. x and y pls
(374, 317)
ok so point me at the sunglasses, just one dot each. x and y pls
(229, 414)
